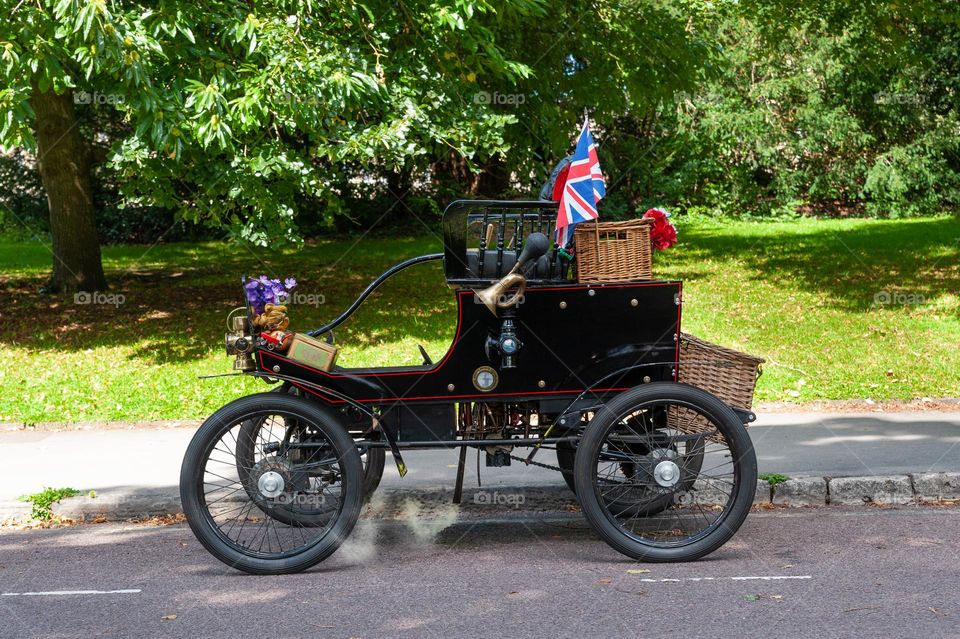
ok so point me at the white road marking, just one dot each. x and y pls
(56, 593)
(757, 578)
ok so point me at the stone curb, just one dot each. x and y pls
(487, 501)
(14, 511)
(884, 490)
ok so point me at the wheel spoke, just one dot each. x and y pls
(662, 486)
(242, 508)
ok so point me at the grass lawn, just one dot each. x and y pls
(841, 309)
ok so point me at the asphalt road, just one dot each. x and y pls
(828, 572)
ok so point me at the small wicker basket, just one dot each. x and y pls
(614, 251)
(728, 374)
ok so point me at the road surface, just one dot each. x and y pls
(827, 572)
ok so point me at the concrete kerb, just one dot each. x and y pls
(795, 492)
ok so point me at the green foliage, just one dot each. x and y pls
(240, 113)
(773, 478)
(824, 108)
(280, 119)
(43, 500)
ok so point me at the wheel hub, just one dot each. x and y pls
(272, 477)
(270, 484)
(667, 473)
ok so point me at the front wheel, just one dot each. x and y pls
(231, 501)
(665, 472)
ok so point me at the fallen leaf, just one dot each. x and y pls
(168, 617)
(604, 581)
(637, 571)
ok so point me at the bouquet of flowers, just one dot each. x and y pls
(263, 290)
(663, 234)
(267, 297)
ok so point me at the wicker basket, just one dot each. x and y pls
(613, 251)
(728, 374)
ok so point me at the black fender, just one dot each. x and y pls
(578, 405)
(322, 391)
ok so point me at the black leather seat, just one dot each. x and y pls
(546, 268)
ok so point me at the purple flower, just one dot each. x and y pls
(264, 290)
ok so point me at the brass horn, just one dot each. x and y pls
(494, 296)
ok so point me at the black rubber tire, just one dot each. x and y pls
(566, 456)
(373, 467)
(209, 433)
(745, 466)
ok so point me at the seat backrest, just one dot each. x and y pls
(483, 238)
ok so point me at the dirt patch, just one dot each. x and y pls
(948, 404)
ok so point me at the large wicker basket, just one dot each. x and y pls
(613, 251)
(728, 374)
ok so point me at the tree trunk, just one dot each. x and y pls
(65, 173)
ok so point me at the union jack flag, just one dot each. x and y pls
(583, 189)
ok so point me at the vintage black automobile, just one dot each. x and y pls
(274, 482)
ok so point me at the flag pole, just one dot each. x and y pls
(596, 220)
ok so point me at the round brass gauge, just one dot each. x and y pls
(485, 379)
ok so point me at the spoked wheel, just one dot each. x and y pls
(257, 441)
(308, 471)
(665, 472)
(256, 434)
(690, 449)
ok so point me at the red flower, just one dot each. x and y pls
(663, 234)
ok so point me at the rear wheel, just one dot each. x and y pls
(314, 483)
(665, 472)
(657, 428)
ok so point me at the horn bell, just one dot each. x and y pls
(493, 297)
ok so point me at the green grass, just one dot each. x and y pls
(803, 294)
(841, 309)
